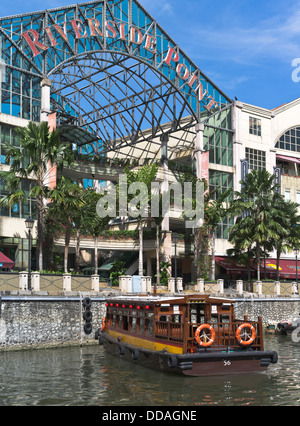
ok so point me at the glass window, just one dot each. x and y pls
(218, 141)
(219, 182)
(223, 229)
(287, 195)
(254, 126)
(290, 140)
(256, 159)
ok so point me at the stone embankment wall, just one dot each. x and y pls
(44, 323)
(271, 310)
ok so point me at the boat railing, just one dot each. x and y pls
(226, 335)
(166, 330)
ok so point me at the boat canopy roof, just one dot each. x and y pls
(177, 299)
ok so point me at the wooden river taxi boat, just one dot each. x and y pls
(194, 335)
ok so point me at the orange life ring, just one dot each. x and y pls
(103, 324)
(251, 339)
(204, 340)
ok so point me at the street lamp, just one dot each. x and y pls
(175, 239)
(29, 225)
(296, 252)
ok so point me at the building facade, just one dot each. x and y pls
(121, 90)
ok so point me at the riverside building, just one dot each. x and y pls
(123, 92)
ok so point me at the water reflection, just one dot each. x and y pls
(87, 376)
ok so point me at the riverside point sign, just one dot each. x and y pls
(112, 30)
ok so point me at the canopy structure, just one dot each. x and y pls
(232, 266)
(109, 68)
(287, 268)
(5, 262)
(288, 159)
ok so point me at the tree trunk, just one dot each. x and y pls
(67, 244)
(213, 253)
(277, 262)
(141, 261)
(96, 253)
(77, 249)
(40, 231)
(157, 256)
(258, 260)
(195, 265)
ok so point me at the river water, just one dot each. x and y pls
(73, 376)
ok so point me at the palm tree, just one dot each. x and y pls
(145, 175)
(65, 201)
(288, 233)
(91, 222)
(40, 150)
(215, 211)
(255, 208)
(200, 233)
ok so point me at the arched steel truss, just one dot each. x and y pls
(121, 100)
(108, 76)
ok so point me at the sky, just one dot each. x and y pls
(246, 47)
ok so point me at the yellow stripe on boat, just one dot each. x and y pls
(146, 344)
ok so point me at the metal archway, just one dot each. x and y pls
(120, 100)
(116, 73)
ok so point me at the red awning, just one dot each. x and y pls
(5, 262)
(288, 159)
(230, 265)
(287, 268)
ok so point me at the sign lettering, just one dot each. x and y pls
(134, 37)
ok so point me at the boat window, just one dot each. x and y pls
(133, 324)
(120, 321)
(176, 318)
(197, 314)
(114, 317)
(164, 318)
(220, 319)
(141, 325)
(149, 327)
(225, 319)
(226, 307)
(125, 323)
(214, 319)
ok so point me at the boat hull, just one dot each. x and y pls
(206, 363)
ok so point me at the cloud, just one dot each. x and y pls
(158, 7)
(274, 37)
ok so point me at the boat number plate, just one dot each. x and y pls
(227, 363)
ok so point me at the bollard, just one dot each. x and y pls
(179, 284)
(23, 281)
(259, 288)
(277, 288)
(220, 286)
(149, 284)
(125, 283)
(95, 283)
(171, 285)
(294, 288)
(143, 284)
(35, 281)
(200, 285)
(240, 286)
(67, 282)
